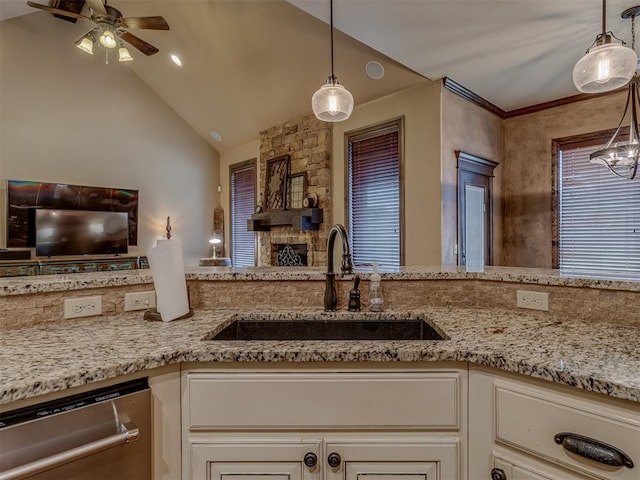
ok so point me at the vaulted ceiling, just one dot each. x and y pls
(250, 64)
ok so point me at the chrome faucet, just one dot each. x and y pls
(330, 295)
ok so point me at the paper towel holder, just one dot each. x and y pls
(154, 316)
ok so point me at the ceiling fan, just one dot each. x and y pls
(111, 28)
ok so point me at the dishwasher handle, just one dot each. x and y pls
(128, 433)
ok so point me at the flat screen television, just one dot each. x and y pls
(80, 232)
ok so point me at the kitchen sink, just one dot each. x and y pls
(328, 329)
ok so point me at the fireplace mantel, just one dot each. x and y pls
(299, 218)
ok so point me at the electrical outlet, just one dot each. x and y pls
(533, 300)
(139, 300)
(82, 307)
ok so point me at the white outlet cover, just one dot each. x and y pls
(533, 300)
(82, 307)
(139, 301)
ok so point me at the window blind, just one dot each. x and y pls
(243, 201)
(599, 217)
(374, 199)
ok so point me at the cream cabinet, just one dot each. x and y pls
(529, 429)
(322, 424)
(370, 458)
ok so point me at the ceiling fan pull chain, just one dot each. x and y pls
(106, 56)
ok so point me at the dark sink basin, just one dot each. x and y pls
(328, 329)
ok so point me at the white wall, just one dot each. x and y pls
(68, 117)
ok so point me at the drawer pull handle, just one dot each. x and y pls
(310, 459)
(498, 474)
(334, 460)
(593, 449)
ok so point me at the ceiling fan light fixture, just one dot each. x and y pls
(85, 44)
(124, 55)
(332, 102)
(108, 39)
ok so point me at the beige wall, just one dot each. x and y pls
(420, 107)
(469, 128)
(68, 117)
(241, 153)
(527, 172)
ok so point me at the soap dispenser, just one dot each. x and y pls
(376, 302)
(354, 296)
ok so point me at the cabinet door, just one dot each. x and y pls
(514, 470)
(437, 459)
(252, 459)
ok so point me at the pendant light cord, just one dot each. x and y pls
(333, 78)
(604, 17)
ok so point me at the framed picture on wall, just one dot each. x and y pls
(275, 191)
(295, 190)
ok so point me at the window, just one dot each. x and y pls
(598, 215)
(243, 202)
(374, 194)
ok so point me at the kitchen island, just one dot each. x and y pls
(579, 362)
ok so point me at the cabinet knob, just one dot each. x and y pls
(498, 474)
(334, 460)
(310, 459)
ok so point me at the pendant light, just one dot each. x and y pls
(607, 65)
(332, 102)
(621, 156)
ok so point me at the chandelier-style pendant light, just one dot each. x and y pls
(620, 156)
(332, 102)
(607, 65)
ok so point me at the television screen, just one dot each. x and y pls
(80, 232)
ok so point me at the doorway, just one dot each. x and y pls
(475, 210)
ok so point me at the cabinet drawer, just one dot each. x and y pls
(321, 400)
(529, 419)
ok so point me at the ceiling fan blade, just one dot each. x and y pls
(56, 11)
(138, 43)
(149, 23)
(97, 6)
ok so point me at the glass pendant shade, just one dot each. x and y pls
(124, 55)
(332, 102)
(85, 44)
(108, 39)
(605, 67)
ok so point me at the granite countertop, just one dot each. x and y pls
(600, 358)
(536, 276)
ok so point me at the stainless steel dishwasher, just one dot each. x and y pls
(103, 434)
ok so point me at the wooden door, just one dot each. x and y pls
(475, 175)
(398, 459)
(254, 459)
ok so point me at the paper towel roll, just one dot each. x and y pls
(167, 269)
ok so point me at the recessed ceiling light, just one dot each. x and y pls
(175, 59)
(374, 69)
(216, 136)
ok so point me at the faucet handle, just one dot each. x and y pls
(347, 263)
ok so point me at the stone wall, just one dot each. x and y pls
(587, 304)
(307, 141)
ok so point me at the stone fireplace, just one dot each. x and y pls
(307, 141)
(289, 254)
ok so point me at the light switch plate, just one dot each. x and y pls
(533, 300)
(82, 307)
